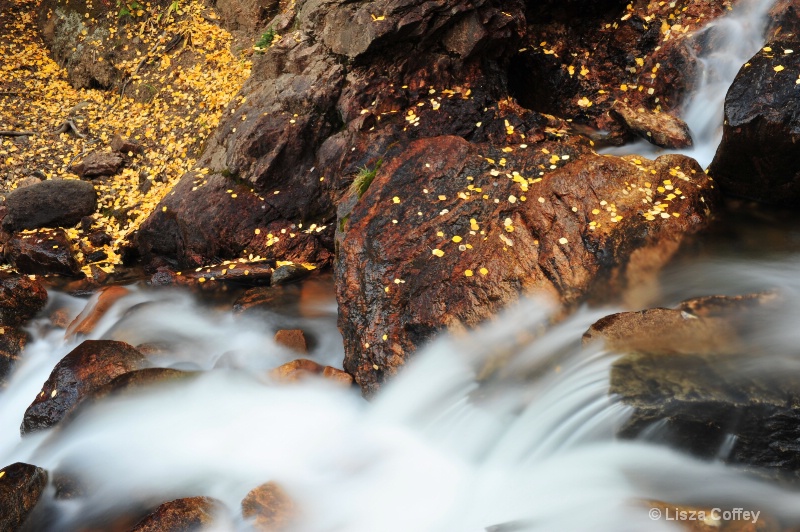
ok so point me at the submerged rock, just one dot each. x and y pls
(43, 252)
(294, 339)
(289, 273)
(302, 368)
(269, 508)
(182, 515)
(757, 158)
(21, 486)
(727, 389)
(52, 203)
(661, 129)
(450, 232)
(96, 308)
(85, 369)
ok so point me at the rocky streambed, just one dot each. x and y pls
(407, 173)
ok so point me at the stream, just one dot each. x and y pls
(439, 449)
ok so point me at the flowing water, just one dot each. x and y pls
(725, 45)
(439, 449)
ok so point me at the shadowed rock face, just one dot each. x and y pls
(84, 370)
(21, 298)
(446, 236)
(757, 157)
(46, 251)
(55, 203)
(21, 485)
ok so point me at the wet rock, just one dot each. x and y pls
(267, 298)
(269, 508)
(661, 129)
(784, 21)
(55, 203)
(21, 298)
(302, 368)
(98, 164)
(337, 375)
(590, 227)
(85, 369)
(95, 309)
(732, 389)
(289, 273)
(293, 339)
(42, 252)
(21, 486)
(12, 342)
(182, 515)
(757, 158)
(239, 272)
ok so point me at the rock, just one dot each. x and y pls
(56, 203)
(126, 146)
(42, 252)
(21, 486)
(293, 339)
(97, 307)
(239, 272)
(302, 368)
(661, 129)
(757, 158)
(182, 515)
(85, 369)
(248, 15)
(98, 164)
(267, 298)
(726, 389)
(289, 273)
(784, 21)
(269, 508)
(590, 227)
(12, 342)
(21, 298)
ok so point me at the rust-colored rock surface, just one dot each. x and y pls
(293, 339)
(21, 485)
(757, 158)
(42, 252)
(85, 369)
(269, 508)
(299, 369)
(95, 309)
(450, 232)
(182, 515)
(12, 342)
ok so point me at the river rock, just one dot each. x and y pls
(294, 339)
(289, 273)
(12, 342)
(85, 369)
(182, 515)
(98, 164)
(97, 307)
(446, 241)
(757, 158)
(42, 252)
(21, 298)
(661, 129)
(729, 388)
(784, 21)
(269, 508)
(302, 368)
(21, 486)
(52, 203)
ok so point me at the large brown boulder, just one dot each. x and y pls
(182, 515)
(450, 232)
(85, 369)
(757, 157)
(21, 485)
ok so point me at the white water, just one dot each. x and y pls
(437, 450)
(733, 40)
